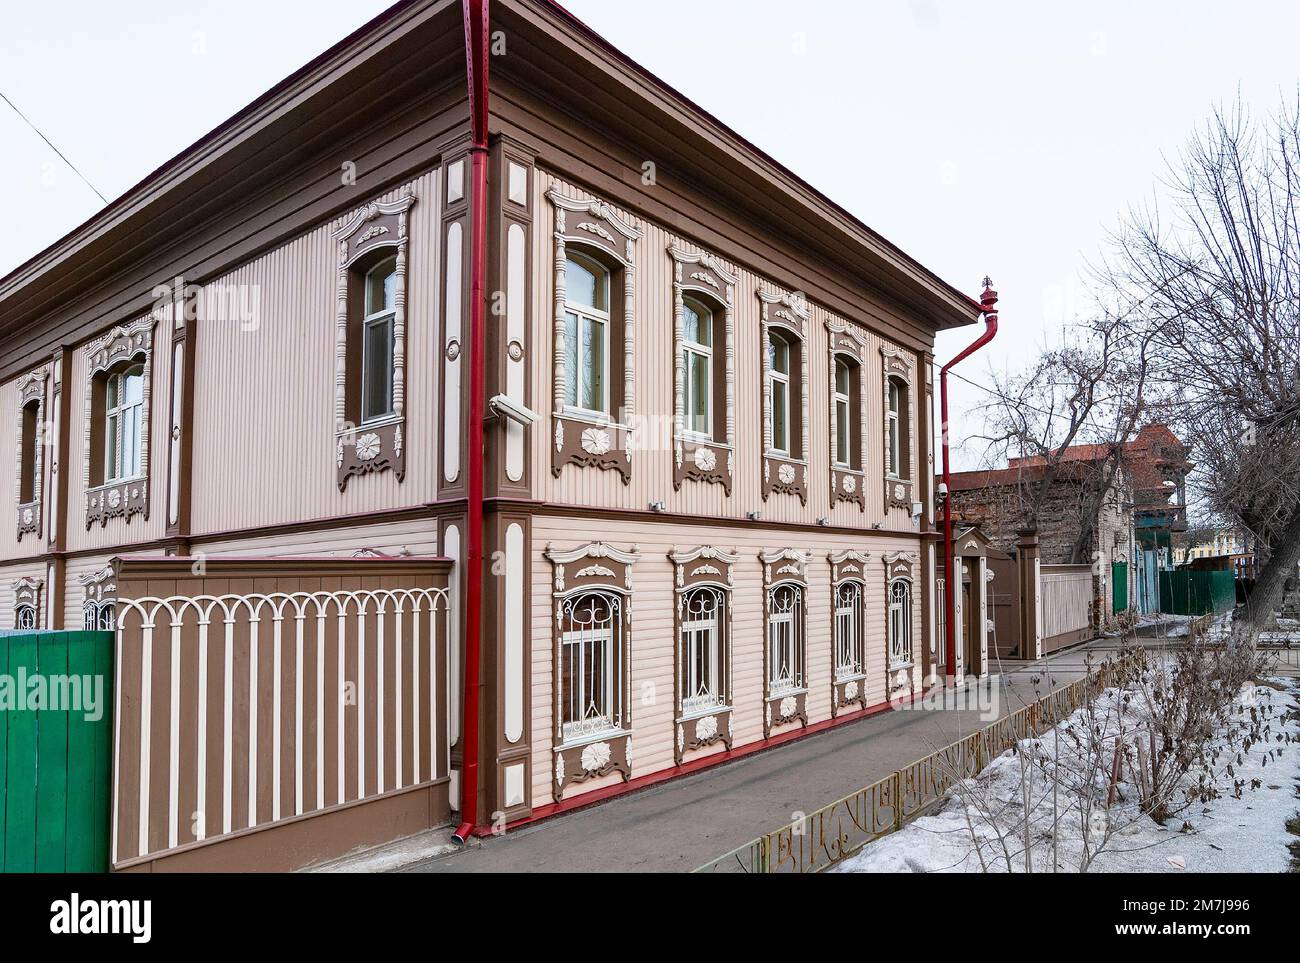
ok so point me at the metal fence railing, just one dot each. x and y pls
(833, 833)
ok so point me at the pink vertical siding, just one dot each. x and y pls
(264, 398)
(652, 468)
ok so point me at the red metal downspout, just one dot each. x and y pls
(476, 66)
(989, 304)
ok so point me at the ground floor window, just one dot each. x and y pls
(25, 617)
(848, 630)
(785, 638)
(703, 663)
(900, 622)
(591, 670)
(99, 616)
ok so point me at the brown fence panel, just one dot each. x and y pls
(1066, 606)
(255, 693)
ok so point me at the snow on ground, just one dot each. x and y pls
(1224, 834)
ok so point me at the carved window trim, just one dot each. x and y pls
(785, 569)
(592, 568)
(781, 473)
(700, 276)
(897, 365)
(125, 497)
(29, 603)
(848, 567)
(848, 483)
(99, 608)
(704, 569)
(29, 463)
(581, 438)
(371, 234)
(900, 568)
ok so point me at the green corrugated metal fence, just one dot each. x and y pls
(55, 763)
(1197, 593)
(1119, 586)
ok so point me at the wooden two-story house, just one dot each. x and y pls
(238, 399)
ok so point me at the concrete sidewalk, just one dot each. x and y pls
(681, 824)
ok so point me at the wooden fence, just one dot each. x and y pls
(839, 830)
(55, 750)
(258, 693)
(1066, 593)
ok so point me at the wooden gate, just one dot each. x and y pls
(56, 714)
(1004, 599)
(1066, 607)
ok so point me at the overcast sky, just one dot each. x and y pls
(998, 137)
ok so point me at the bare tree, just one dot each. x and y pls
(1215, 261)
(1090, 391)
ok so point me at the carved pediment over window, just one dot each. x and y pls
(366, 443)
(703, 565)
(707, 287)
(29, 465)
(900, 564)
(785, 565)
(847, 565)
(107, 497)
(595, 438)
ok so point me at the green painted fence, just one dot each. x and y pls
(1197, 593)
(1119, 586)
(55, 758)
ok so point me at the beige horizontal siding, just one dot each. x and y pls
(652, 647)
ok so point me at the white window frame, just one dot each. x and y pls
(893, 408)
(849, 654)
(115, 416)
(705, 355)
(843, 414)
(591, 315)
(785, 632)
(583, 724)
(900, 617)
(99, 616)
(708, 632)
(368, 321)
(775, 376)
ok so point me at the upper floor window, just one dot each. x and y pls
(697, 346)
(848, 430)
(124, 424)
(29, 480)
(377, 341)
(896, 429)
(779, 372)
(900, 622)
(848, 630)
(586, 334)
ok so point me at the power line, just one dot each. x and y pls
(52, 147)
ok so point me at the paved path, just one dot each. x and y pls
(681, 824)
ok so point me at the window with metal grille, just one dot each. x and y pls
(703, 663)
(785, 638)
(900, 622)
(591, 669)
